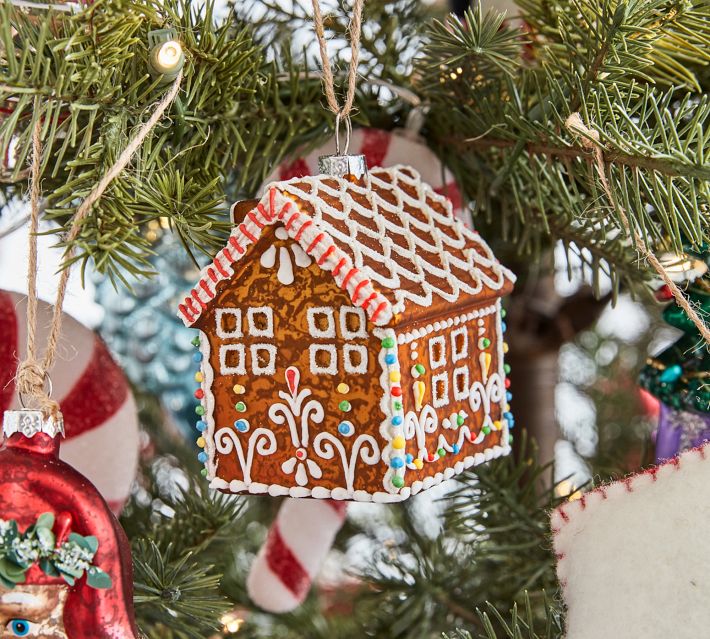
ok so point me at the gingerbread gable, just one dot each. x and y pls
(389, 241)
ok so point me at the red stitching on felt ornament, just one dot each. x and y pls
(325, 255)
(315, 242)
(292, 219)
(246, 232)
(348, 277)
(206, 288)
(378, 310)
(563, 514)
(306, 224)
(235, 244)
(255, 219)
(357, 290)
(583, 501)
(339, 265)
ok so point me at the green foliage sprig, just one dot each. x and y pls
(19, 551)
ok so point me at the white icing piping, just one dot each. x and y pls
(418, 333)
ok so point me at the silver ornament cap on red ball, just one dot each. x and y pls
(29, 422)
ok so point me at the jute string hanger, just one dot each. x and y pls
(342, 114)
(590, 141)
(33, 372)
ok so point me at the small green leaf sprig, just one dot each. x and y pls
(37, 545)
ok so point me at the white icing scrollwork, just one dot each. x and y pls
(326, 445)
(262, 441)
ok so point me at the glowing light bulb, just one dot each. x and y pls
(169, 55)
(231, 622)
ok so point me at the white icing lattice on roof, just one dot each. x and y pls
(389, 241)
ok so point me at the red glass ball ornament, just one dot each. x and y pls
(33, 481)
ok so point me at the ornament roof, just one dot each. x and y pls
(388, 240)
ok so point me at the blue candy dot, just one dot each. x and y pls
(508, 396)
(197, 357)
(456, 448)
(241, 425)
(396, 462)
(508, 416)
(345, 428)
(671, 374)
(503, 326)
(396, 420)
(201, 426)
(390, 359)
(409, 458)
(202, 457)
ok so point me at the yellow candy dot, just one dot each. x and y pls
(201, 442)
(199, 377)
(398, 442)
(239, 389)
(395, 376)
(418, 463)
(507, 408)
(505, 347)
(497, 425)
(343, 388)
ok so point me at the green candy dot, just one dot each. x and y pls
(510, 439)
(398, 405)
(200, 410)
(460, 420)
(503, 312)
(196, 341)
(397, 481)
(240, 406)
(420, 369)
(387, 342)
(344, 406)
(441, 452)
(203, 472)
(506, 368)
(486, 430)
(485, 342)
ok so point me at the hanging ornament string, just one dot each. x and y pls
(590, 141)
(341, 113)
(32, 373)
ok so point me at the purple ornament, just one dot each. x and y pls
(679, 430)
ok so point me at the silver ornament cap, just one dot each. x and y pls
(29, 423)
(343, 165)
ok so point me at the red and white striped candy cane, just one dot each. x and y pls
(299, 540)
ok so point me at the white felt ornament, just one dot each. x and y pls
(101, 422)
(634, 556)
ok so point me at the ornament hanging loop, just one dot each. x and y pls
(31, 373)
(339, 117)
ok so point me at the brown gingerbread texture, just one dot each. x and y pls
(351, 342)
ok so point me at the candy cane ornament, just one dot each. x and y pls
(297, 543)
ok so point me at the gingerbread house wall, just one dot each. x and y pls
(249, 442)
(463, 391)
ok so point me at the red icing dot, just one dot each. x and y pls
(430, 457)
(199, 393)
(396, 391)
(507, 383)
(301, 453)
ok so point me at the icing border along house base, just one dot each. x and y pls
(351, 343)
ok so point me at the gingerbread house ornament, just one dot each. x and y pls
(351, 342)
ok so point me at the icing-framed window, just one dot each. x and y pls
(263, 359)
(440, 390)
(321, 322)
(324, 359)
(353, 324)
(232, 359)
(355, 359)
(260, 320)
(437, 351)
(228, 323)
(459, 344)
(461, 382)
